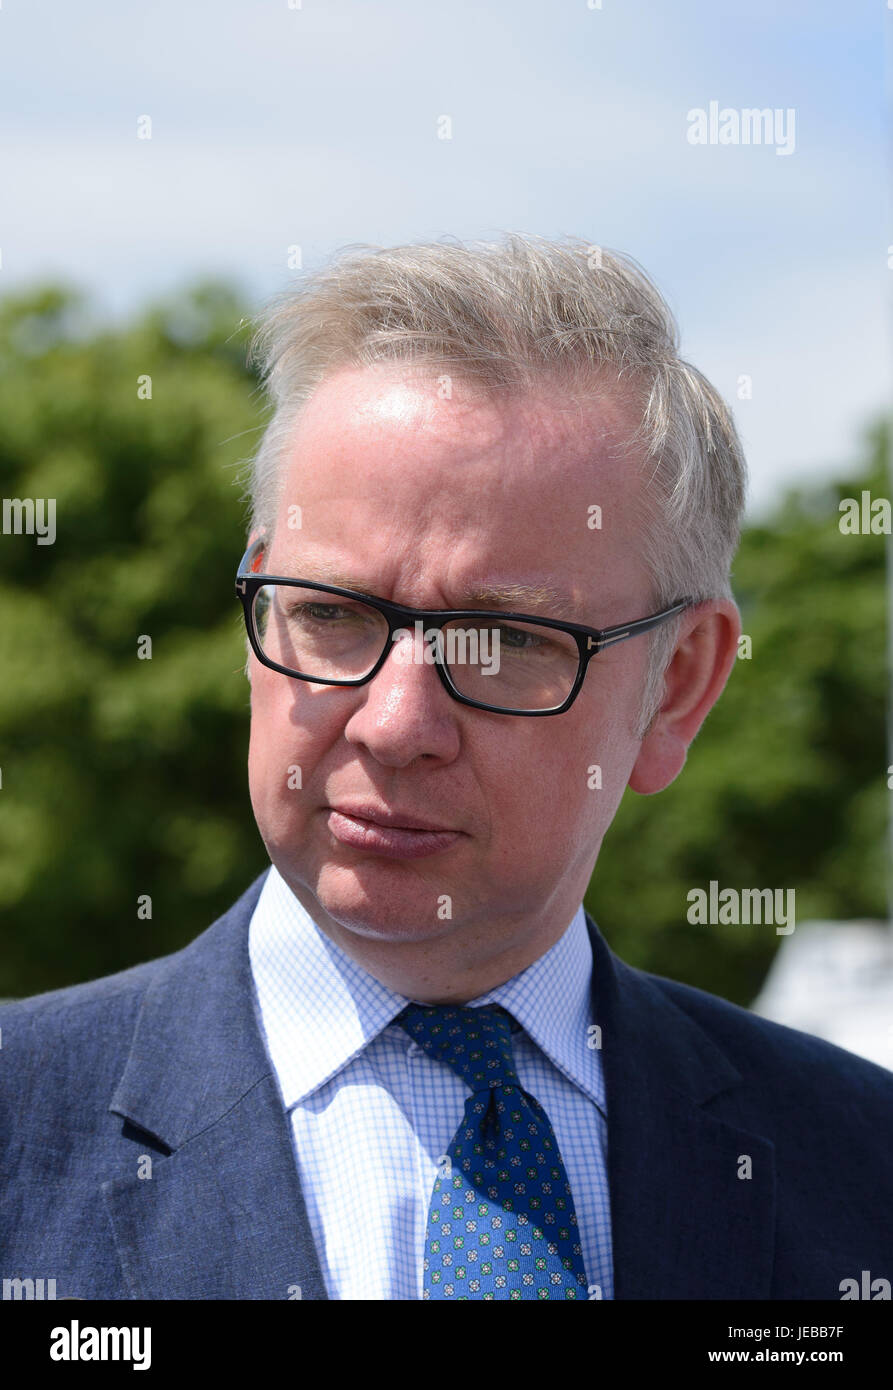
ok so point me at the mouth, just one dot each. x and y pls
(394, 834)
(392, 820)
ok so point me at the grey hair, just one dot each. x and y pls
(515, 315)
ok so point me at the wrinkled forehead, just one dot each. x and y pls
(417, 474)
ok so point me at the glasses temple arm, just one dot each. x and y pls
(610, 635)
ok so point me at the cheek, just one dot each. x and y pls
(269, 737)
(284, 748)
(534, 784)
(574, 782)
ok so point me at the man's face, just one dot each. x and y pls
(418, 499)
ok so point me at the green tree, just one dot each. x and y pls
(124, 777)
(785, 786)
(121, 776)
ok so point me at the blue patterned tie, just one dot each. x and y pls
(501, 1223)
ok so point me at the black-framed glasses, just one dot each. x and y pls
(507, 663)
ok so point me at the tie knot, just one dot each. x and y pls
(476, 1043)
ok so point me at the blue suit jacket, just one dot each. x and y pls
(166, 1062)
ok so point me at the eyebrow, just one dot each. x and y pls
(528, 598)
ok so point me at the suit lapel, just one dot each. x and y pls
(222, 1214)
(684, 1224)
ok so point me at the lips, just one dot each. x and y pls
(393, 820)
(391, 834)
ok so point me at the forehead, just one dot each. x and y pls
(419, 402)
(411, 477)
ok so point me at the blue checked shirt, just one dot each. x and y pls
(371, 1113)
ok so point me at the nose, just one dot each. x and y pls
(404, 712)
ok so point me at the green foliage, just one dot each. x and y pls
(123, 776)
(785, 786)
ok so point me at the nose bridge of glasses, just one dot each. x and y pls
(421, 639)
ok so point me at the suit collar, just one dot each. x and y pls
(221, 1215)
(199, 1004)
(663, 1048)
(686, 1220)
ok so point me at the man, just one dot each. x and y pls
(405, 1064)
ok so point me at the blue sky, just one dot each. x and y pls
(317, 126)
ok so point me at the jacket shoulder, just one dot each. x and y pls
(783, 1059)
(65, 1047)
(72, 1006)
(74, 1040)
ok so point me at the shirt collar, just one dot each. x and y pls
(320, 1009)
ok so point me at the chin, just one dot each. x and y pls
(382, 902)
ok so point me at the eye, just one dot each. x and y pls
(521, 639)
(319, 611)
(313, 613)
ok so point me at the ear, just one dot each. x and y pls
(704, 655)
(256, 534)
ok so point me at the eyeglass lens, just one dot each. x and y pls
(512, 665)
